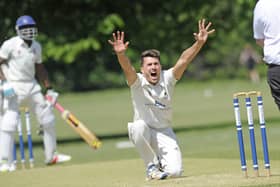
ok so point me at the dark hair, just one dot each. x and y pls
(150, 53)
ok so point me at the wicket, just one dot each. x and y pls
(21, 140)
(248, 96)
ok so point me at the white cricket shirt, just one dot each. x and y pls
(152, 103)
(266, 26)
(21, 59)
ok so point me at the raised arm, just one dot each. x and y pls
(120, 48)
(188, 55)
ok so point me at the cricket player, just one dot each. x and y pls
(21, 60)
(151, 93)
(267, 35)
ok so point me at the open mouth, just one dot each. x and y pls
(154, 75)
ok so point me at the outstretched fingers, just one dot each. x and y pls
(203, 30)
(126, 44)
(122, 36)
(118, 35)
(118, 43)
(203, 24)
(207, 28)
(114, 39)
(208, 25)
(211, 31)
(199, 24)
(111, 42)
(114, 36)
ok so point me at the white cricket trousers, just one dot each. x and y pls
(29, 94)
(158, 146)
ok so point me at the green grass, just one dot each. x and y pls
(198, 172)
(204, 124)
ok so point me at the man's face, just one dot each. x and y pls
(151, 69)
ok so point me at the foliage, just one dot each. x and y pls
(74, 36)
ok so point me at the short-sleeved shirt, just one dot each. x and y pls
(21, 59)
(153, 103)
(266, 26)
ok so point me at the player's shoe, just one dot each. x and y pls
(153, 172)
(12, 167)
(4, 167)
(59, 158)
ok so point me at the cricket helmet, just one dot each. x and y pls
(26, 27)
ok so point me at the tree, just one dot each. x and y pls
(74, 36)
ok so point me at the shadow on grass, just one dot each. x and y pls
(104, 137)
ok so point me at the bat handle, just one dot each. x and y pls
(65, 114)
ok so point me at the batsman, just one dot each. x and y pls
(21, 60)
(151, 93)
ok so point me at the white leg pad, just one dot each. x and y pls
(7, 144)
(9, 121)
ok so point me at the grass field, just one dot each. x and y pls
(204, 124)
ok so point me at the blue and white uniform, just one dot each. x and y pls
(20, 74)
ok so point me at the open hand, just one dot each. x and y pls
(203, 31)
(118, 43)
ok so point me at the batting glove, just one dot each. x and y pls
(8, 91)
(53, 95)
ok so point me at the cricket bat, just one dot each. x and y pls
(78, 126)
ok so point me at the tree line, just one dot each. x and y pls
(74, 36)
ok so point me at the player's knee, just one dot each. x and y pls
(174, 171)
(174, 166)
(137, 126)
(9, 121)
(137, 130)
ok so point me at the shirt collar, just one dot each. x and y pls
(21, 42)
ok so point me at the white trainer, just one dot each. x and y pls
(59, 158)
(12, 167)
(4, 168)
(155, 173)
